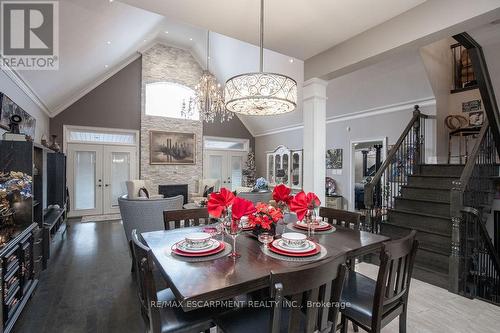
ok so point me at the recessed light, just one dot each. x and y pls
(106, 66)
(166, 32)
(111, 0)
(108, 42)
(145, 40)
(190, 39)
(291, 60)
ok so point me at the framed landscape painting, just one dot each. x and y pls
(8, 108)
(172, 148)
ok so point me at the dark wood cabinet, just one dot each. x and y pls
(17, 275)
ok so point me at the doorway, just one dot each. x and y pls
(363, 167)
(97, 169)
(224, 159)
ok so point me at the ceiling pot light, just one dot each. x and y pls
(261, 93)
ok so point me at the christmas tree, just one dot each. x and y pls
(249, 171)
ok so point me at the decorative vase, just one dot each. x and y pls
(55, 146)
(257, 230)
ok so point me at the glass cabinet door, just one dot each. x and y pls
(285, 168)
(295, 169)
(270, 168)
(277, 165)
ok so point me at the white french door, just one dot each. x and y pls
(227, 166)
(97, 176)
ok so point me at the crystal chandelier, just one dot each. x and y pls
(261, 93)
(208, 97)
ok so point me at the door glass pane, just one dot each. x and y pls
(85, 181)
(285, 168)
(277, 165)
(295, 169)
(215, 167)
(120, 173)
(271, 169)
(236, 175)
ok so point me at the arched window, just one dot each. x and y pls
(165, 99)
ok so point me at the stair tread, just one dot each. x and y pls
(428, 249)
(423, 200)
(419, 187)
(441, 273)
(427, 231)
(434, 176)
(404, 211)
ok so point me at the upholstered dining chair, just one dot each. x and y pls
(174, 219)
(320, 281)
(164, 318)
(341, 217)
(256, 197)
(145, 214)
(374, 304)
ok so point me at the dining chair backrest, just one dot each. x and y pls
(317, 282)
(146, 282)
(393, 282)
(174, 219)
(341, 217)
(256, 197)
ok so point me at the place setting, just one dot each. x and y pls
(317, 226)
(291, 246)
(199, 246)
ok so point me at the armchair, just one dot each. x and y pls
(203, 186)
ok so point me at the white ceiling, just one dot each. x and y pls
(85, 27)
(299, 28)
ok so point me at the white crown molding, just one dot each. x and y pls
(63, 106)
(404, 106)
(26, 88)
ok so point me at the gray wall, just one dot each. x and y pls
(8, 87)
(116, 103)
(229, 129)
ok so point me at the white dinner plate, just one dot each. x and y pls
(212, 245)
(322, 225)
(308, 246)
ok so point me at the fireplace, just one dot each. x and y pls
(174, 190)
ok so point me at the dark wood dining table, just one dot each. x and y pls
(196, 283)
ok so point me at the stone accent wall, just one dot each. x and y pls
(159, 64)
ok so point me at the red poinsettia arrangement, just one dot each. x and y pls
(303, 202)
(265, 216)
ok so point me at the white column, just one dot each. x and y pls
(314, 108)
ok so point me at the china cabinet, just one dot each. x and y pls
(284, 166)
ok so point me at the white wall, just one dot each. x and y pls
(8, 87)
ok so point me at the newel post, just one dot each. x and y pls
(456, 205)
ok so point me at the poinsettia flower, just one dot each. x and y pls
(302, 202)
(281, 193)
(242, 207)
(219, 202)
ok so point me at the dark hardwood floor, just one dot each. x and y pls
(88, 286)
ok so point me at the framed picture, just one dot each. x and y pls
(476, 118)
(334, 159)
(8, 108)
(172, 148)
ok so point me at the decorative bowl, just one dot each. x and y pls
(198, 239)
(293, 239)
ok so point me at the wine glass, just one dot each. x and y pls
(234, 230)
(265, 238)
(310, 219)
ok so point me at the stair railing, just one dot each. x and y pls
(480, 265)
(402, 161)
(474, 189)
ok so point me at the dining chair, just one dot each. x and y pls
(158, 307)
(341, 217)
(374, 304)
(290, 290)
(185, 218)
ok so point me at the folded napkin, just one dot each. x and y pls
(242, 207)
(281, 193)
(219, 202)
(302, 202)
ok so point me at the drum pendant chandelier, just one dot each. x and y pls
(261, 93)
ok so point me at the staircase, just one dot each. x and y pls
(424, 205)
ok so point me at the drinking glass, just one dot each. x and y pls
(310, 219)
(234, 230)
(265, 238)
